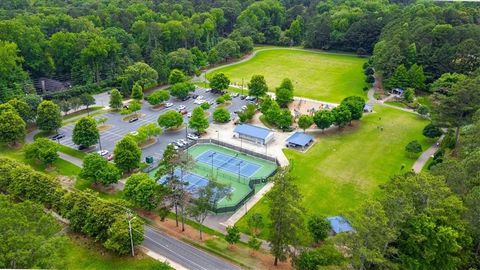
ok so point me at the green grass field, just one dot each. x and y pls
(318, 75)
(343, 169)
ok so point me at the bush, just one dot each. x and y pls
(319, 227)
(327, 255)
(449, 140)
(43, 150)
(413, 148)
(227, 96)
(431, 131)
(221, 115)
(220, 100)
(205, 105)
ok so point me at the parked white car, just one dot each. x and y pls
(192, 136)
(103, 152)
(168, 104)
(199, 101)
(181, 107)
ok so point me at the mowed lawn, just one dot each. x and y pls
(317, 75)
(344, 169)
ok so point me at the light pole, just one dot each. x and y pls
(130, 218)
(99, 142)
(239, 164)
(213, 154)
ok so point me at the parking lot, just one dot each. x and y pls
(120, 128)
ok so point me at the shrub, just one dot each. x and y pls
(221, 115)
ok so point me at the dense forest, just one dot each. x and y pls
(103, 44)
(425, 221)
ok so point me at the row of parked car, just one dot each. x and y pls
(180, 143)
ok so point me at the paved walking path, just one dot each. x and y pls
(425, 156)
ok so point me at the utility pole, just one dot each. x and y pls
(130, 218)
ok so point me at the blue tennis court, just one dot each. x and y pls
(233, 164)
(192, 181)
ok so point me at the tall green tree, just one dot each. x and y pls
(115, 99)
(158, 97)
(23, 110)
(12, 127)
(257, 86)
(49, 117)
(206, 200)
(12, 75)
(98, 170)
(457, 109)
(176, 76)
(319, 228)
(323, 119)
(198, 121)
(416, 77)
(85, 132)
(286, 215)
(342, 116)
(87, 100)
(143, 191)
(30, 237)
(170, 119)
(219, 82)
(119, 239)
(137, 91)
(181, 90)
(127, 154)
(139, 73)
(43, 150)
(355, 105)
(305, 121)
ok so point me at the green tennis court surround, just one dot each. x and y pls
(245, 174)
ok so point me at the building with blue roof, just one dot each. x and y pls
(253, 133)
(299, 139)
(339, 224)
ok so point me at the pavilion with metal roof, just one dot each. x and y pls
(253, 133)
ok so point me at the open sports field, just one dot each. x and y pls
(318, 75)
(228, 167)
(344, 169)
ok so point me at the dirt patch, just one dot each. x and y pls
(175, 129)
(102, 188)
(158, 107)
(66, 182)
(306, 106)
(224, 105)
(104, 127)
(138, 115)
(148, 143)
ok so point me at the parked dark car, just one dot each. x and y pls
(186, 98)
(57, 136)
(183, 111)
(82, 147)
(194, 96)
(242, 97)
(133, 120)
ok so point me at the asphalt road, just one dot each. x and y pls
(109, 138)
(182, 253)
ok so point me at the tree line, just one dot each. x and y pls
(104, 221)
